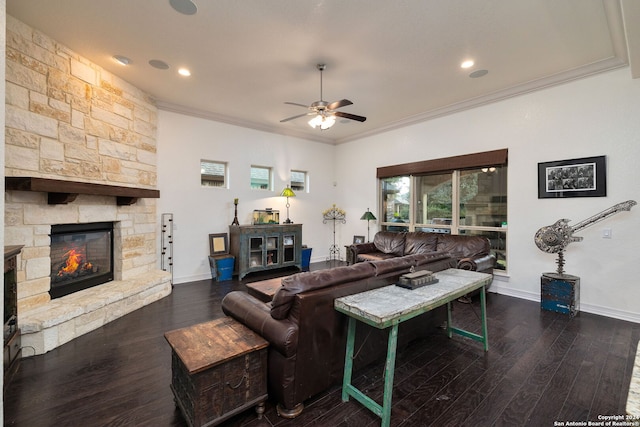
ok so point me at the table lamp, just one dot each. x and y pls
(369, 217)
(288, 192)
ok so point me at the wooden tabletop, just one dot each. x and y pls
(265, 289)
(208, 344)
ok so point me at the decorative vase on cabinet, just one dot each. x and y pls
(265, 247)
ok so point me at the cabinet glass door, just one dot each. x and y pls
(272, 250)
(289, 244)
(255, 252)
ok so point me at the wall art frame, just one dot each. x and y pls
(218, 244)
(583, 177)
(358, 239)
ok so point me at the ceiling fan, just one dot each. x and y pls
(324, 113)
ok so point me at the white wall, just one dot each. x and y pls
(199, 211)
(589, 117)
(599, 115)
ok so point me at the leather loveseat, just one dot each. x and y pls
(307, 336)
(470, 252)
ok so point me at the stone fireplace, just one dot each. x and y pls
(80, 148)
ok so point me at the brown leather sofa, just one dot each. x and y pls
(470, 252)
(307, 336)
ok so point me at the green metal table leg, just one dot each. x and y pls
(389, 370)
(348, 358)
(449, 330)
(483, 309)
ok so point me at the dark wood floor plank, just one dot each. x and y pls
(581, 393)
(119, 375)
(523, 403)
(497, 399)
(549, 405)
(441, 400)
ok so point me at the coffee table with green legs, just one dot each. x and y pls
(389, 306)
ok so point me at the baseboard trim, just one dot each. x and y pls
(499, 288)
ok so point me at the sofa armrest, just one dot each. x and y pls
(256, 315)
(477, 264)
(361, 248)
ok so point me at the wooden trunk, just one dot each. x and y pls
(219, 369)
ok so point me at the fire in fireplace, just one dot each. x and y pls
(81, 256)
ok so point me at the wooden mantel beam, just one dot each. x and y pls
(63, 192)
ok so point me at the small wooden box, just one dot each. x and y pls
(560, 293)
(219, 369)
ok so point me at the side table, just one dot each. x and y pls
(388, 307)
(264, 290)
(219, 369)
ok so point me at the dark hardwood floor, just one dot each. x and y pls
(541, 367)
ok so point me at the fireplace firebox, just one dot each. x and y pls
(81, 257)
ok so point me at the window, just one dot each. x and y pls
(298, 180)
(261, 178)
(213, 174)
(470, 200)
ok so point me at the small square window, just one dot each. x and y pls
(261, 178)
(213, 174)
(298, 181)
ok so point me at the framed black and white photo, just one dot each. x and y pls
(358, 239)
(218, 244)
(585, 177)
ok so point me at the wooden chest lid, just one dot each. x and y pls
(208, 344)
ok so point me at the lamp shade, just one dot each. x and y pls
(368, 216)
(288, 192)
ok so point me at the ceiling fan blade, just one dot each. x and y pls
(350, 116)
(338, 104)
(295, 117)
(299, 105)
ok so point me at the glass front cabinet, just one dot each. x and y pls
(265, 247)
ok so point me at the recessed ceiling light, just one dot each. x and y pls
(186, 7)
(122, 60)
(184, 72)
(467, 64)
(160, 65)
(478, 73)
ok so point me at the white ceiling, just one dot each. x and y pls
(397, 61)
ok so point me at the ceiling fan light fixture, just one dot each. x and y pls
(324, 122)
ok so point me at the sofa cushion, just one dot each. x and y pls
(420, 242)
(389, 242)
(426, 258)
(374, 256)
(463, 246)
(392, 264)
(302, 282)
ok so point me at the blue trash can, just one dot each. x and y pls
(306, 258)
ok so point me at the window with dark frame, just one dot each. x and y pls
(457, 195)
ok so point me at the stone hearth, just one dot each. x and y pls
(62, 319)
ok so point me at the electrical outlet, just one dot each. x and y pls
(606, 233)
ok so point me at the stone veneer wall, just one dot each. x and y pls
(67, 118)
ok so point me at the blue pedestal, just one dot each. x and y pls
(222, 267)
(560, 293)
(306, 258)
